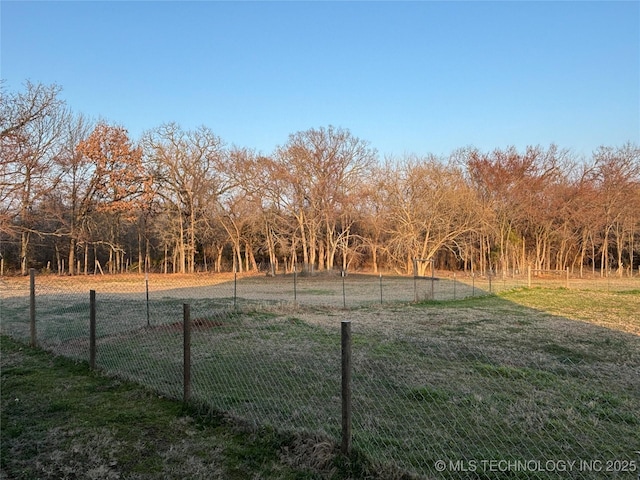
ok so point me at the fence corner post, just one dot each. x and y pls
(433, 278)
(528, 276)
(146, 283)
(32, 307)
(346, 387)
(92, 329)
(186, 313)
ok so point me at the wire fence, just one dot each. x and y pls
(450, 390)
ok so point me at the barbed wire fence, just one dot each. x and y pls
(438, 396)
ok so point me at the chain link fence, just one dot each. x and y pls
(439, 390)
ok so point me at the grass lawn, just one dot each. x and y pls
(528, 375)
(60, 420)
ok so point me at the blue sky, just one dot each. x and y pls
(409, 77)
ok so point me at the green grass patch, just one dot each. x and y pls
(629, 292)
(60, 420)
(617, 310)
(429, 394)
(570, 355)
(607, 406)
(529, 375)
(317, 291)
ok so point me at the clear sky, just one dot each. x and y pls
(409, 77)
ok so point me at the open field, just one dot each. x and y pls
(529, 375)
(325, 289)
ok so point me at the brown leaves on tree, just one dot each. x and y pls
(122, 184)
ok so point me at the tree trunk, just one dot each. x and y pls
(273, 259)
(374, 258)
(219, 259)
(140, 259)
(604, 257)
(483, 256)
(192, 241)
(24, 252)
(303, 239)
(165, 258)
(72, 255)
(619, 247)
(58, 260)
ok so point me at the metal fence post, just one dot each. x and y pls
(92, 329)
(433, 279)
(344, 293)
(346, 387)
(186, 314)
(295, 287)
(454, 285)
(32, 307)
(473, 284)
(146, 283)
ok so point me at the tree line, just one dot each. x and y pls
(80, 196)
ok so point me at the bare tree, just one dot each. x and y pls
(322, 198)
(18, 110)
(430, 206)
(31, 131)
(190, 173)
(268, 186)
(323, 167)
(616, 175)
(75, 195)
(516, 187)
